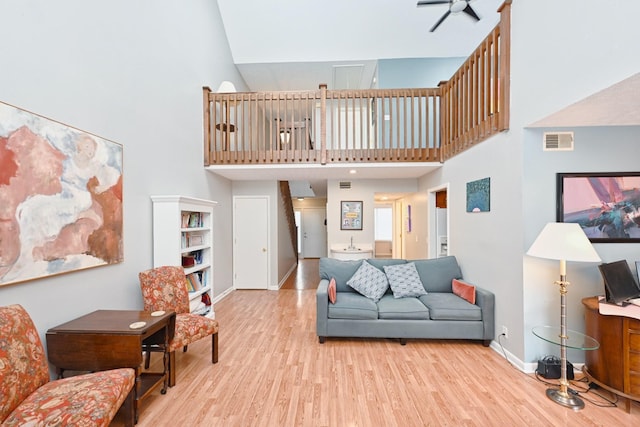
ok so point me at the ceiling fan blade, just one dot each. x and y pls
(428, 2)
(472, 13)
(447, 13)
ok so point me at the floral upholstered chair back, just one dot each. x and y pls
(164, 288)
(23, 363)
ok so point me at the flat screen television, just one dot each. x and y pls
(619, 283)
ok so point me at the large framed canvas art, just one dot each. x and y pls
(605, 204)
(60, 198)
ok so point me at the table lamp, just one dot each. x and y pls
(225, 127)
(563, 241)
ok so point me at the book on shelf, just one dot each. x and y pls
(195, 220)
(184, 223)
(193, 282)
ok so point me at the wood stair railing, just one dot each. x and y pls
(285, 192)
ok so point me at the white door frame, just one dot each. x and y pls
(431, 220)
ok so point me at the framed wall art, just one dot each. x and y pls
(350, 215)
(605, 204)
(60, 198)
(479, 195)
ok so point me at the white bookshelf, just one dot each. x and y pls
(183, 230)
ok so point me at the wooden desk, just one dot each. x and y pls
(615, 366)
(104, 340)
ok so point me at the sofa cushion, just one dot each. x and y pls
(369, 281)
(341, 270)
(390, 307)
(351, 305)
(404, 280)
(464, 290)
(447, 306)
(436, 274)
(383, 262)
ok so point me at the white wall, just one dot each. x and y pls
(416, 241)
(131, 72)
(597, 149)
(556, 59)
(361, 190)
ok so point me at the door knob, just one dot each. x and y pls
(264, 249)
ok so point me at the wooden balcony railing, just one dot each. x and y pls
(322, 126)
(475, 101)
(375, 125)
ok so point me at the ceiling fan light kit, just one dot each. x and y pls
(455, 6)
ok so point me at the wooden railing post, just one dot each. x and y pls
(206, 108)
(505, 61)
(323, 123)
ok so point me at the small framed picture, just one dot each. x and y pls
(350, 215)
(196, 240)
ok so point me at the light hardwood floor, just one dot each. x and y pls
(273, 372)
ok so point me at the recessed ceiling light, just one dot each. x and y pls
(352, 171)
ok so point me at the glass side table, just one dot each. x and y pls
(571, 339)
(576, 340)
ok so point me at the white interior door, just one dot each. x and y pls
(251, 242)
(314, 233)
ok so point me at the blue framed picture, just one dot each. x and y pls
(479, 195)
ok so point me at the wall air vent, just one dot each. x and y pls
(345, 185)
(557, 141)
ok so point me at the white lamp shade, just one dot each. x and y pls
(226, 87)
(563, 241)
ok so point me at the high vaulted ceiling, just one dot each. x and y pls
(298, 44)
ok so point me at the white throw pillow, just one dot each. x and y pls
(369, 281)
(404, 280)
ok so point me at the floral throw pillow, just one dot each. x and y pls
(369, 281)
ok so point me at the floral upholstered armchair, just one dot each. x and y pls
(165, 288)
(29, 398)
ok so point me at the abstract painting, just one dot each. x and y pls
(606, 205)
(479, 195)
(60, 198)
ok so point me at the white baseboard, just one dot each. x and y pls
(284, 279)
(222, 295)
(527, 368)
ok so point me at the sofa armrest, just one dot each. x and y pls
(322, 308)
(486, 301)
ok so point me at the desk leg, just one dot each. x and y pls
(128, 409)
(136, 396)
(165, 366)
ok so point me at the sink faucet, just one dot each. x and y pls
(351, 244)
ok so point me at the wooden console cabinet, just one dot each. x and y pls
(615, 366)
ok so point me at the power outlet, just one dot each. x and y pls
(505, 332)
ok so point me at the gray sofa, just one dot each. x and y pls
(440, 314)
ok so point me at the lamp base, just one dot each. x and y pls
(565, 399)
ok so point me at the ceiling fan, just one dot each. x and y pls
(455, 6)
